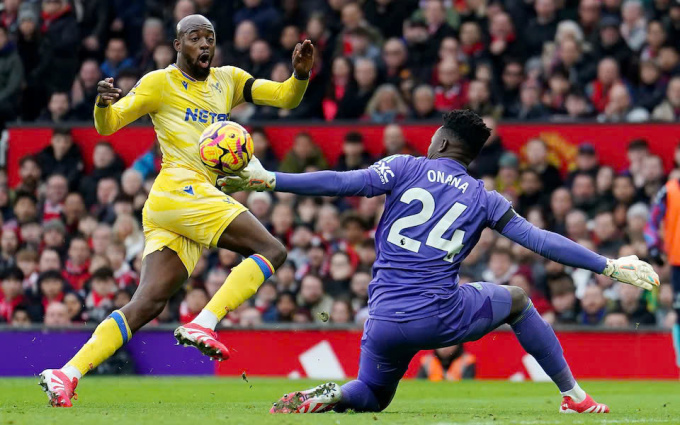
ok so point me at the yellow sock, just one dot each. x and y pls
(241, 284)
(109, 336)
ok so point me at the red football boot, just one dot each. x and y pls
(59, 389)
(202, 338)
(586, 406)
(316, 400)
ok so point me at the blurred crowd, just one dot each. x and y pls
(381, 61)
(71, 243)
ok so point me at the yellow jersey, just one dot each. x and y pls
(181, 107)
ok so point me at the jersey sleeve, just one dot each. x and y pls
(498, 210)
(143, 99)
(287, 94)
(379, 179)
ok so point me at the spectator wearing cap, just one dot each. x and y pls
(11, 293)
(586, 162)
(28, 47)
(11, 77)
(507, 179)
(354, 155)
(669, 109)
(62, 156)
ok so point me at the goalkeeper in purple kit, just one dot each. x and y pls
(434, 215)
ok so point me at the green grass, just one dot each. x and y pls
(212, 401)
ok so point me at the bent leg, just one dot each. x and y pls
(247, 236)
(675, 279)
(538, 339)
(162, 274)
(381, 366)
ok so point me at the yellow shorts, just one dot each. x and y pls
(185, 212)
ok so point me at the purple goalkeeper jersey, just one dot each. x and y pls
(434, 215)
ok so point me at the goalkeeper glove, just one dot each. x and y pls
(253, 177)
(633, 271)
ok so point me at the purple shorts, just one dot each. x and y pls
(388, 347)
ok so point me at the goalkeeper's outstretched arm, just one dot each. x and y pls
(562, 250)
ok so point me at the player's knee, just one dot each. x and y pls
(519, 299)
(145, 310)
(276, 253)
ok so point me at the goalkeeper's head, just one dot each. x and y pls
(461, 138)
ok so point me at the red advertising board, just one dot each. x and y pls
(610, 140)
(335, 354)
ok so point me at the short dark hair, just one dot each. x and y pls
(638, 144)
(23, 194)
(50, 275)
(13, 273)
(354, 137)
(468, 129)
(62, 131)
(102, 273)
(28, 158)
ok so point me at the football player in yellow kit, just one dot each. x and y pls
(185, 212)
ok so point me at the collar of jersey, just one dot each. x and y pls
(187, 76)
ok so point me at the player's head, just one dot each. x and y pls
(461, 137)
(195, 44)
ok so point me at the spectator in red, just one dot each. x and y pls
(504, 44)
(55, 194)
(451, 92)
(74, 210)
(341, 78)
(471, 43)
(99, 301)
(12, 294)
(352, 19)
(540, 302)
(122, 272)
(76, 271)
(52, 288)
(193, 303)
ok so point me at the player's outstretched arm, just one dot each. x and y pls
(555, 247)
(289, 93)
(144, 98)
(320, 183)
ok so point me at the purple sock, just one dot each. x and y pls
(357, 396)
(538, 339)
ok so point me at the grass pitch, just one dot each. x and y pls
(212, 401)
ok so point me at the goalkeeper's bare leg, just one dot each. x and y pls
(163, 273)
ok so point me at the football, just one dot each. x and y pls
(225, 147)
